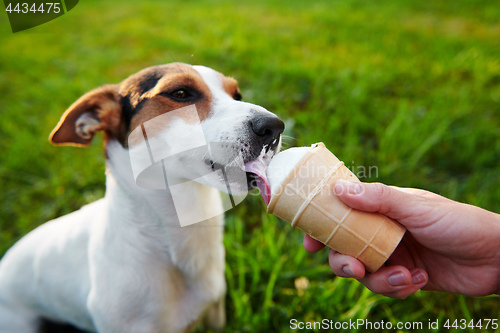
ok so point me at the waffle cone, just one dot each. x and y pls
(307, 201)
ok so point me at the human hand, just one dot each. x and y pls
(449, 246)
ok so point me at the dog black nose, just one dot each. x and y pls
(267, 128)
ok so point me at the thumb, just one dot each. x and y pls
(377, 197)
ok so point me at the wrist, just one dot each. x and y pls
(496, 240)
(491, 225)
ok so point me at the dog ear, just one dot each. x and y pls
(97, 110)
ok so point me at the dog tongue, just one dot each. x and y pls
(258, 168)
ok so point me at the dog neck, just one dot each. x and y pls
(149, 219)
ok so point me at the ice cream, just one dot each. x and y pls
(282, 165)
(301, 184)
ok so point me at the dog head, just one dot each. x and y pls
(158, 103)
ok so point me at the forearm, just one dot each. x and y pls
(474, 246)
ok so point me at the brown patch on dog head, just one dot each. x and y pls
(175, 86)
(119, 109)
(230, 86)
(97, 110)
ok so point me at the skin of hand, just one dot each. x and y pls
(449, 246)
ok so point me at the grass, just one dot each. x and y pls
(410, 87)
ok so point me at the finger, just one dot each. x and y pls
(312, 245)
(414, 191)
(396, 281)
(345, 266)
(417, 275)
(377, 197)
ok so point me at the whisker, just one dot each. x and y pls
(287, 142)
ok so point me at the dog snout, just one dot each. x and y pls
(267, 129)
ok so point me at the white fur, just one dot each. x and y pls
(232, 112)
(123, 264)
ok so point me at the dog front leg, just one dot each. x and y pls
(215, 317)
(108, 320)
(131, 307)
(15, 320)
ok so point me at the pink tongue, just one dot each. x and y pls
(258, 168)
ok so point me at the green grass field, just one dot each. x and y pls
(411, 87)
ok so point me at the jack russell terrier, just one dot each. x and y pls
(123, 263)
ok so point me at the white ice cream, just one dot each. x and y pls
(282, 165)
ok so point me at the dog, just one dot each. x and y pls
(123, 263)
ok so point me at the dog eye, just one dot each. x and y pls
(180, 94)
(237, 96)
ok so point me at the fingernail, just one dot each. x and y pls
(397, 279)
(339, 188)
(348, 271)
(418, 278)
(356, 188)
